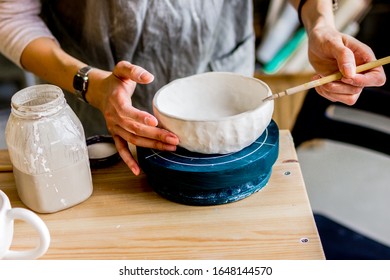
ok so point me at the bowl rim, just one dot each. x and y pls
(220, 119)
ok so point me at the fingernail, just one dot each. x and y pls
(135, 170)
(170, 148)
(150, 121)
(349, 70)
(172, 140)
(146, 76)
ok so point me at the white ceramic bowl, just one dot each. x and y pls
(214, 112)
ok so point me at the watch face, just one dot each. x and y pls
(79, 83)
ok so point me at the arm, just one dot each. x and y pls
(19, 25)
(110, 92)
(330, 51)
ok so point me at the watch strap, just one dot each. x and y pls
(80, 82)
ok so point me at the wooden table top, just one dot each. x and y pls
(125, 219)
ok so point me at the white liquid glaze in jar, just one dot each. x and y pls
(47, 147)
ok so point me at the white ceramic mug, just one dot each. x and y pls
(7, 217)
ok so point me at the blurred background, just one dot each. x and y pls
(348, 181)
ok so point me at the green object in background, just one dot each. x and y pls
(285, 52)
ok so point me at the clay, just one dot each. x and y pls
(214, 112)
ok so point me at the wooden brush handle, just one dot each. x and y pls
(330, 78)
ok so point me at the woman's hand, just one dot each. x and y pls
(111, 93)
(331, 51)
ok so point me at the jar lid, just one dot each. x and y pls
(102, 151)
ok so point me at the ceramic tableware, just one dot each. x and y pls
(7, 217)
(214, 112)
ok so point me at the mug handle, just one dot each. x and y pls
(44, 235)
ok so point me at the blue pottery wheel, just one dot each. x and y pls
(211, 179)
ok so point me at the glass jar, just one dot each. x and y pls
(48, 151)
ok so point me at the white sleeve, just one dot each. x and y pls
(19, 25)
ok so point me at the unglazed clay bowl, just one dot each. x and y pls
(214, 112)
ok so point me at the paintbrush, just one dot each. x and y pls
(328, 79)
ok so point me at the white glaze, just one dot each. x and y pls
(214, 112)
(101, 150)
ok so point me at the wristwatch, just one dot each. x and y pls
(80, 82)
